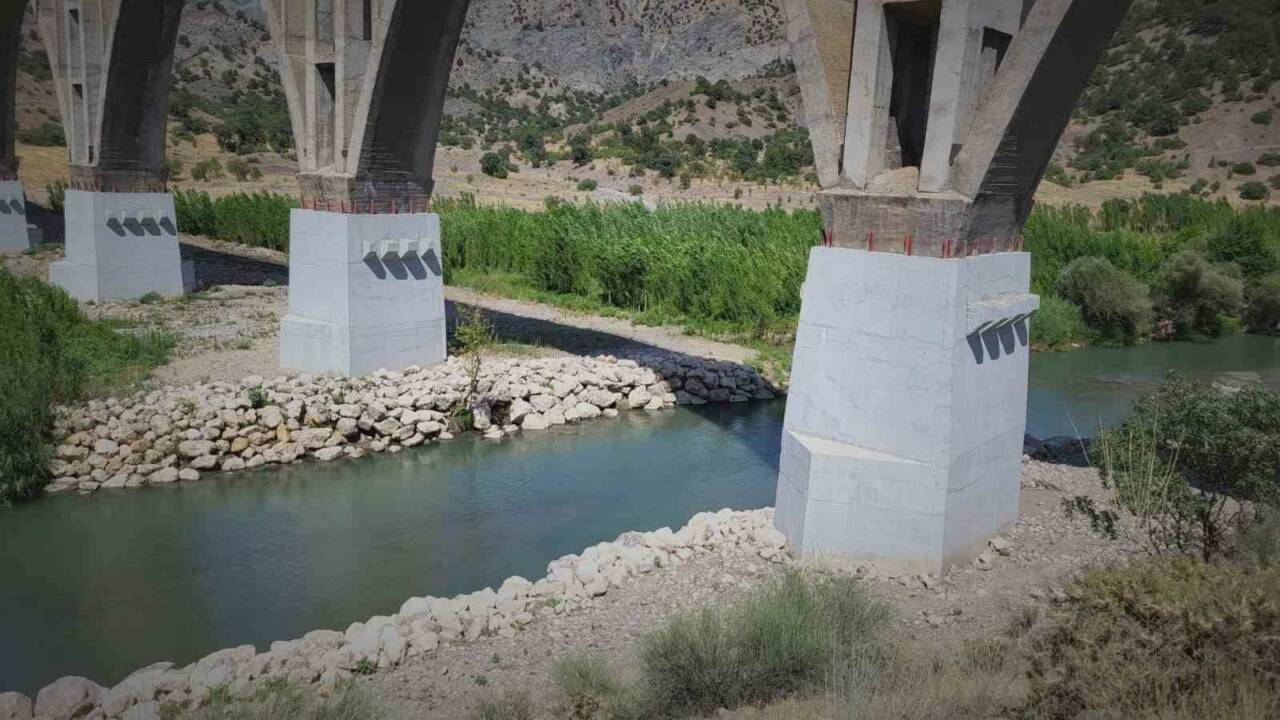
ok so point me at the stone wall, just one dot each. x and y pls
(174, 434)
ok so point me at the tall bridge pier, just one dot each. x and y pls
(112, 64)
(933, 122)
(365, 82)
(13, 201)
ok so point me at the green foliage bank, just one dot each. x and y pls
(51, 353)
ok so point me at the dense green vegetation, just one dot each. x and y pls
(51, 353)
(1163, 266)
(258, 219)
(696, 263)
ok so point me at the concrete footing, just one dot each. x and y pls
(366, 292)
(15, 233)
(902, 442)
(121, 246)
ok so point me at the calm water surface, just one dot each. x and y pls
(100, 586)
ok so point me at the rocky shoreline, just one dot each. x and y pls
(178, 434)
(423, 625)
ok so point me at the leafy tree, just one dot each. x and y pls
(493, 165)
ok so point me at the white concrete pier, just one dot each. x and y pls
(366, 292)
(121, 246)
(905, 417)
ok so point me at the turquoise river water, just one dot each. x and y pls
(100, 586)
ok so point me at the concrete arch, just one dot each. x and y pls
(365, 82)
(112, 63)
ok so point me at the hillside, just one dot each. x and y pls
(667, 93)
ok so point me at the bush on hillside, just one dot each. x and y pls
(1254, 191)
(493, 165)
(46, 134)
(1196, 298)
(1262, 313)
(587, 185)
(1172, 638)
(1116, 305)
(51, 353)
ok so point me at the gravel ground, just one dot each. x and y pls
(1043, 551)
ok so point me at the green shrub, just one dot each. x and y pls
(1262, 117)
(1058, 324)
(46, 134)
(587, 683)
(1249, 240)
(1196, 298)
(242, 170)
(493, 165)
(1173, 638)
(1226, 444)
(207, 170)
(283, 701)
(1113, 302)
(51, 353)
(511, 705)
(1270, 159)
(1244, 168)
(635, 190)
(587, 185)
(1254, 191)
(1262, 313)
(787, 638)
(57, 192)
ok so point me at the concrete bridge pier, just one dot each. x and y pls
(365, 81)
(112, 67)
(932, 124)
(15, 234)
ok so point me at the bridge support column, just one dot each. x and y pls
(365, 81)
(14, 232)
(905, 416)
(120, 246)
(112, 66)
(903, 435)
(365, 292)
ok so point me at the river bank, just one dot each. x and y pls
(173, 434)
(438, 657)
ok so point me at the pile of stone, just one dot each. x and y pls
(176, 434)
(326, 657)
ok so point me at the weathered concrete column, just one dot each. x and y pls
(903, 433)
(365, 81)
(13, 202)
(112, 63)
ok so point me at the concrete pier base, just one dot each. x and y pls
(902, 442)
(15, 235)
(366, 292)
(121, 246)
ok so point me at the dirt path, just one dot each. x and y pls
(1040, 555)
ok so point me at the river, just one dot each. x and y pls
(100, 586)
